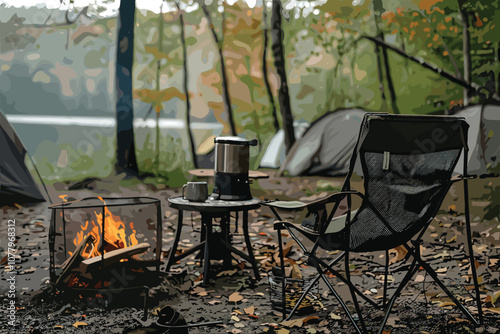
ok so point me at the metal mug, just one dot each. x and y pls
(195, 191)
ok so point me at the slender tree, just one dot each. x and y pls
(159, 106)
(279, 64)
(465, 49)
(265, 71)
(382, 57)
(472, 86)
(186, 88)
(497, 58)
(125, 144)
(225, 89)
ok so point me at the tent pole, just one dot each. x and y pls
(40, 177)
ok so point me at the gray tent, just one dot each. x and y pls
(327, 145)
(16, 183)
(484, 139)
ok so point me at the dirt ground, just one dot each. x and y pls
(233, 297)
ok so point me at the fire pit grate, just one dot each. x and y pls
(97, 241)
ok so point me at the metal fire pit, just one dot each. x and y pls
(94, 227)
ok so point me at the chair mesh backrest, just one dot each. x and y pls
(407, 164)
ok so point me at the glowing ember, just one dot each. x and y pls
(115, 233)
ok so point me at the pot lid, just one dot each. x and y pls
(235, 141)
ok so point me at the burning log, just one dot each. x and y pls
(74, 260)
(111, 257)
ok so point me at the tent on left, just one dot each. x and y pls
(16, 182)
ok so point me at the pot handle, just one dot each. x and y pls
(253, 142)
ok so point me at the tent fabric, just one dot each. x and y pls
(326, 147)
(483, 139)
(16, 183)
(275, 155)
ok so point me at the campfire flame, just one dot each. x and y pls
(115, 233)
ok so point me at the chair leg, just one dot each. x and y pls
(344, 306)
(283, 276)
(454, 299)
(471, 253)
(385, 277)
(405, 281)
(353, 293)
(304, 294)
(316, 279)
(344, 280)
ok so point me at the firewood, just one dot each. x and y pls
(111, 257)
(74, 260)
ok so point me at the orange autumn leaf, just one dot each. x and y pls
(429, 5)
(479, 23)
(389, 16)
(156, 97)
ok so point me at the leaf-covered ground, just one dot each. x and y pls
(232, 297)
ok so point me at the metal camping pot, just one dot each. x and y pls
(232, 154)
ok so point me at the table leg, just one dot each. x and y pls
(173, 250)
(201, 254)
(225, 227)
(249, 246)
(207, 223)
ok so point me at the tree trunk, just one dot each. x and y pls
(125, 146)
(156, 166)
(279, 63)
(225, 88)
(265, 72)
(390, 84)
(497, 81)
(466, 53)
(382, 56)
(453, 78)
(186, 88)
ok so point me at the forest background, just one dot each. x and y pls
(206, 69)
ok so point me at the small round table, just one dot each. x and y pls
(211, 241)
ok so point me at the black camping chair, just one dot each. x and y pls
(407, 164)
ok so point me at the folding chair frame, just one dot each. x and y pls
(322, 267)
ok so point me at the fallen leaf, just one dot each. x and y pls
(235, 297)
(446, 304)
(79, 323)
(249, 310)
(215, 301)
(309, 319)
(58, 327)
(292, 323)
(335, 317)
(282, 331)
(453, 239)
(494, 310)
(235, 318)
(227, 273)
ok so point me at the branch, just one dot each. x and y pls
(459, 81)
(67, 20)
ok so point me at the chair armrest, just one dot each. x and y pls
(458, 178)
(283, 224)
(299, 205)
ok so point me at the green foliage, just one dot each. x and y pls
(172, 165)
(329, 65)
